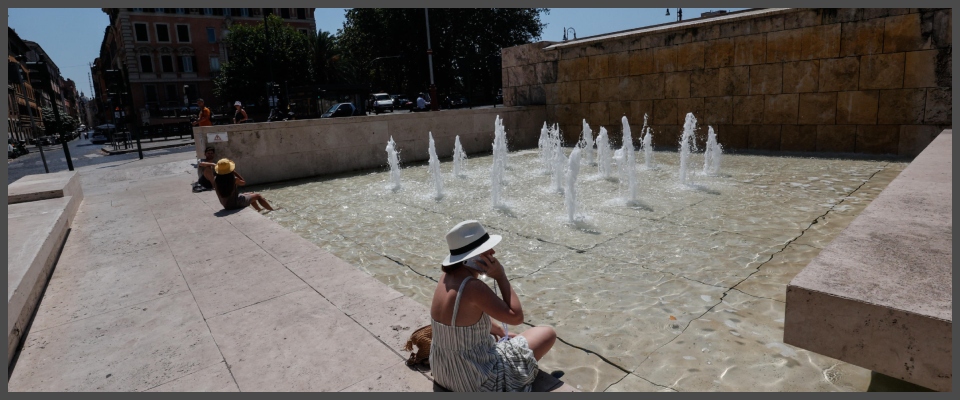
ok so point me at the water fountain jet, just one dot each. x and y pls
(459, 159)
(434, 165)
(603, 153)
(588, 143)
(687, 144)
(394, 161)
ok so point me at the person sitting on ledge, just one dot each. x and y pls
(227, 183)
(471, 354)
(205, 170)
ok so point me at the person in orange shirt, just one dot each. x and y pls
(204, 118)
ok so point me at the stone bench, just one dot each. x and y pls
(880, 295)
(40, 212)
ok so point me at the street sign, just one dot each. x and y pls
(218, 137)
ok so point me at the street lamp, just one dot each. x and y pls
(433, 87)
(679, 13)
(566, 30)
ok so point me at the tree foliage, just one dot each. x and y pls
(246, 73)
(466, 46)
(67, 122)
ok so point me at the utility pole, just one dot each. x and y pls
(270, 92)
(433, 87)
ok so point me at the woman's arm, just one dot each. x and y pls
(240, 181)
(244, 112)
(507, 309)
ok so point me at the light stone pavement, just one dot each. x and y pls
(157, 289)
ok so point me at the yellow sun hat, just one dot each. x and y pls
(224, 166)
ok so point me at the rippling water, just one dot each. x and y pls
(685, 289)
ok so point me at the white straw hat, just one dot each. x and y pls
(468, 239)
(238, 104)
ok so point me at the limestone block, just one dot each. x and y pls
(705, 33)
(44, 186)
(515, 76)
(920, 69)
(651, 86)
(871, 13)
(552, 93)
(861, 37)
(732, 81)
(943, 28)
(599, 112)
(619, 64)
(835, 15)
(857, 107)
(665, 59)
(641, 62)
(690, 56)
(665, 136)
(598, 66)
(694, 105)
(818, 108)
(569, 92)
(836, 138)
(538, 95)
(733, 137)
(747, 110)
(764, 137)
(718, 53)
(640, 108)
(903, 33)
(839, 74)
(705, 83)
(522, 95)
(915, 138)
(902, 106)
(617, 109)
(939, 106)
(509, 96)
(590, 91)
(676, 85)
(575, 69)
(652, 41)
(736, 28)
(569, 53)
(608, 89)
(665, 112)
(528, 75)
(801, 76)
(546, 72)
(882, 71)
(504, 77)
(718, 110)
(783, 45)
(878, 139)
(629, 88)
(766, 78)
(798, 138)
(820, 42)
(677, 37)
(749, 50)
(802, 19)
(780, 108)
(768, 24)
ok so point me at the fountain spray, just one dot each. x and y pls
(588, 143)
(687, 143)
(711, 155)
(603, 153)
(394, 164)
(459, 159)
(435, 169)
(559, 160)
(647, 143)
(628, 168)
(544, 144)
(570, 195)
(499, 164)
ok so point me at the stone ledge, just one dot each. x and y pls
(40, 229)
(44, 186)
(880, 295)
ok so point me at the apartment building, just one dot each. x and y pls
(172, 55)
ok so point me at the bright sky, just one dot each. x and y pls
(72, 36)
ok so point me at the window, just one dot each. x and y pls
(171, 93)
(137, 9)
(211, 35)
(163, 33)
(146, 63)
(301, 13)
(183, 33)
(158, 10)
(187, 64)
(244, 12)
(226, 11)
(214, 64)
(207, 11)
(151, 93)
(140, 29)
(166, 63)
(285, 13)
(181, 11)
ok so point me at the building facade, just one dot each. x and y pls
(172, 55)
(21, 99)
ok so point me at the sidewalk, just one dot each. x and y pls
(147, 145)
(158, 290)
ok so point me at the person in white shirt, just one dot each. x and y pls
(421, 103)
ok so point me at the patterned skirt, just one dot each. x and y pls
(515, 369)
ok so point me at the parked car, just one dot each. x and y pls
(10, 152)
(404, 103)
(455, 101)
(341, 110)
(19, 147)
(382, 102)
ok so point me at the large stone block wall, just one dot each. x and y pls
(279, 151)
(828, 80)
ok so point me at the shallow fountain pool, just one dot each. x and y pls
(682, 289)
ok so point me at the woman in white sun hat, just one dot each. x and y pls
(240, 114)
(465, 355)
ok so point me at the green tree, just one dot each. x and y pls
(67, 122)
(244, 77)
(466, 46)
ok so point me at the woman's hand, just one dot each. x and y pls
(491, 266)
